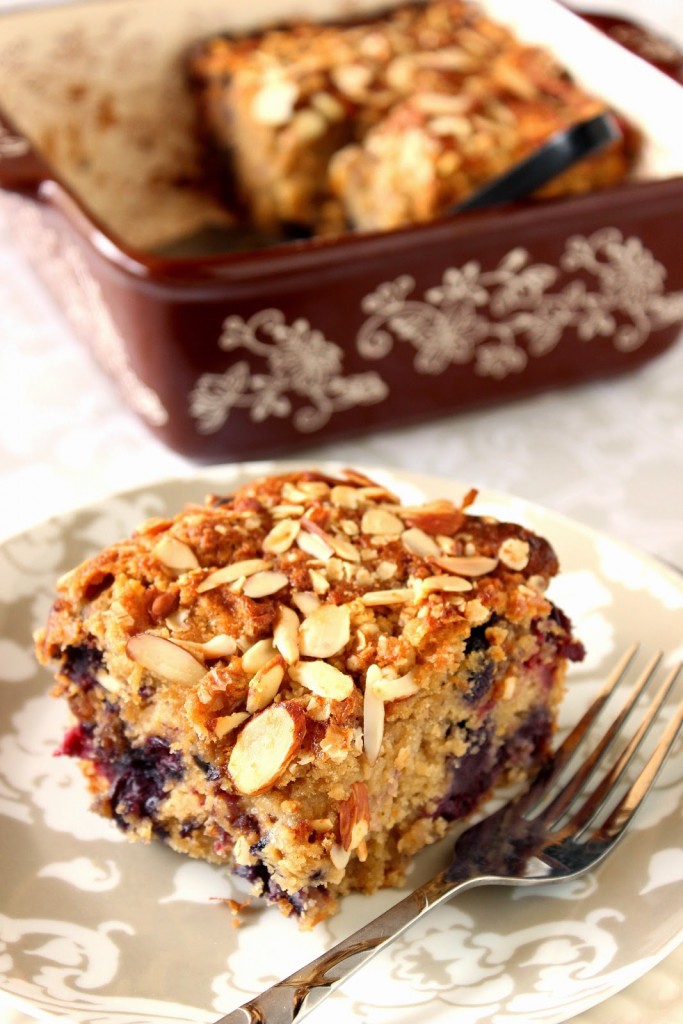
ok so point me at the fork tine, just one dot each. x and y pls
(620, 817)
(598, 798)
(564, 753)
(567, 794)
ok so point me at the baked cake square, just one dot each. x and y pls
(387, 121)
(308, 681)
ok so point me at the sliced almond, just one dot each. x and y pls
(445, 583)
(388, 689)
(263, 584)
(219, 646)
(174, 554)
(385, 570)
(352, 79)
(354, 817)
(319, 582)
(285, 634)
(178, 619)
(379, 521)
(229, 573)
(314, 545)
(285, 510)
(321, 824)
(435, 518)
(399, 595)
(339, 856)
(514, 553)
(314, 490)
(228, 723)
(373, 717)
(164, 658)
(323, 679)
(265, 746)
(273, 105)
(306, 601)
(164, 604)
(282, 536)
(325, 632)
(264, 685)
(343, 548)
(344, 496)
(472, 565)
(258, 655)
(420, 543)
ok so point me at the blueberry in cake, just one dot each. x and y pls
(308, 681)
(388, 121)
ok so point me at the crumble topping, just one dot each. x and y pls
(303, 674)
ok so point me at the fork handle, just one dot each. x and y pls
(293, 997)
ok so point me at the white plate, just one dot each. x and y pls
(93, 929)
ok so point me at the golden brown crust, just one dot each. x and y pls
(386, 122)
(284, 680)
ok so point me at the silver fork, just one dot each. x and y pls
(556, 829)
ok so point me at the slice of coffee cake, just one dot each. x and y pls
(308, 681)
(386, 121)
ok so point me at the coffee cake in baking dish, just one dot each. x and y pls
(308, 681)
(385, 122)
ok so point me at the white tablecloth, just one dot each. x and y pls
(609, 454)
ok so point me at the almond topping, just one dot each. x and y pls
(285, 634)
(228, 723)
(164, 605)
(474, 565)
(323, 679)
(164, 658)
(325, 632)
(420, 543)
(282, 536)
(319, 582)
(262, 584)
(314, 545)
(321, 824)
(352, 79)
(514, 553)
(174, 554)
(230, 573)
(339, 856)
(399, 595)
(388, 689)
(306, 601)
(446, 584)
(435, 518)
(219, 646)
(284, 511)
(264, 684)
(258, 655)
(373, 717)
(344, 496)
(354, 817)
(314, 490)
(274, 103)
(344, 549)
(265, 746)
(379, 521)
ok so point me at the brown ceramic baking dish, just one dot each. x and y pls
(240, 355)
